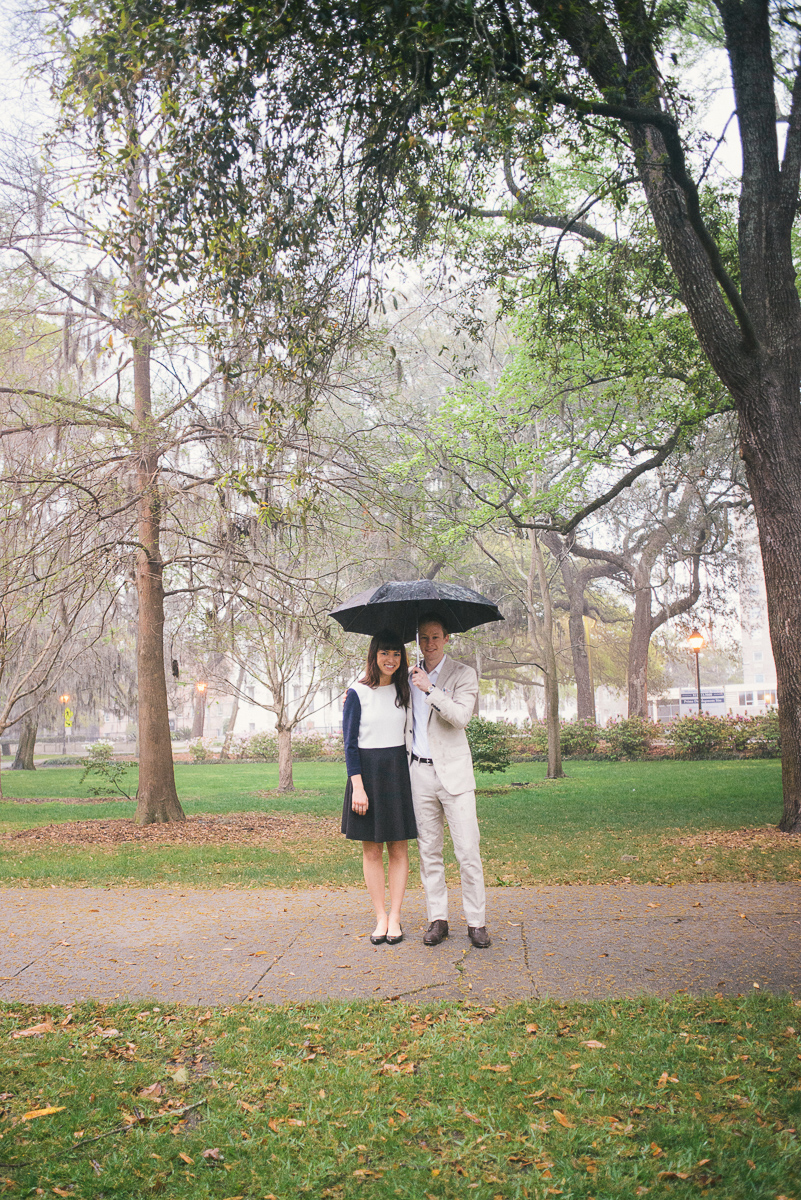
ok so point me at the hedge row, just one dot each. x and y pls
(495, 744)
(696, 736)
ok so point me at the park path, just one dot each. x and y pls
(276, 946)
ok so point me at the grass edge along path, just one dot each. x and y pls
(538, 1099)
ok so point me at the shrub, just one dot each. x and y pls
(334, 746)
(630, 737)
(578, 738)
(756, 737)
(489, 744)
(261, 746)
(198, 751)
(307, 747)
(532, 741)
(769, 738)
(99, 764)
(699, 735)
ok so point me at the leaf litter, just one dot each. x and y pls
(251, 828)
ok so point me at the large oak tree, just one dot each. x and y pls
(396, 95)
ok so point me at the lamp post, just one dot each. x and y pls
(696, 643)
(64, 701)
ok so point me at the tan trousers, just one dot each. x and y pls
(432, 804)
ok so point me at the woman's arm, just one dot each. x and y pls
(351, 719)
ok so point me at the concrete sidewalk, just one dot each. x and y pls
(221, 947)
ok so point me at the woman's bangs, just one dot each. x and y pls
(390, 643)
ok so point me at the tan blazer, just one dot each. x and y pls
(451, 704)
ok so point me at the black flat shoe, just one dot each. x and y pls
(393, 941)
(378, 939)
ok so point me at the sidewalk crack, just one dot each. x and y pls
(278, 957)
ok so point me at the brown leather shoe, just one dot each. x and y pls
(436, 933)
(478, 936)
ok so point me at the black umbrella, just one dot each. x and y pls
(400, 604)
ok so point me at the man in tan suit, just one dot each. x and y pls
(443, 783)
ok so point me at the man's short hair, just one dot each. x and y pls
(434, 618)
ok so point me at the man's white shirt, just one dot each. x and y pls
(421, 712)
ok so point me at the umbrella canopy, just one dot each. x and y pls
(399, 605)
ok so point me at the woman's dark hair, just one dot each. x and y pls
(387, 640)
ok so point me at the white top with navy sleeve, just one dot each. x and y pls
(371, 720)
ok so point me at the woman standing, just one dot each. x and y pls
(378, 798)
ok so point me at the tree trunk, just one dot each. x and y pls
(770, 435)
(23, 760)
(585, 693)
(285, 780)
(157, 798)
(639, 645)
(225, 753)
(199, 716)
(551, 678)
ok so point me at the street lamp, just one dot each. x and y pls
(696, 643)
(64, 701)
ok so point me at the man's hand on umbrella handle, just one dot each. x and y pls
(421, 680)
(358, 801)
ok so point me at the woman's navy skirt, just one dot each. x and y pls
(390, 812)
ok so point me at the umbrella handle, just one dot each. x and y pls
(417, 644)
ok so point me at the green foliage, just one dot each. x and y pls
(489, 744)
(579, 739)
(101, 766)
(263, 747)
(702, 735)
(630, 737)
(199, 752)
(697, 735)
(308, 747)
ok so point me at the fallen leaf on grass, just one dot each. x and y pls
(273, 1124)
(501, 1068)
(213, 1153)
(181, 1075)
(42, 1112)
(664, 1079)
(562, 1119)
(593, 1045)
(61, 1192)
(46, 1026)
(532, 1028)
(155, 1089)
(726, 1079)
(673, 1175)
(185, 1157)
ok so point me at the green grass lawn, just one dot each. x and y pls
(661, 821)
(680, 1098)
